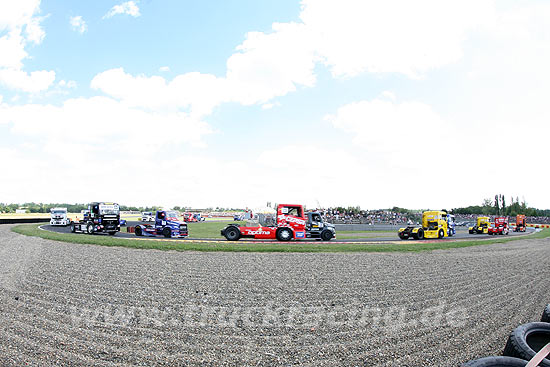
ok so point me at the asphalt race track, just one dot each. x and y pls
(64, 304)
(462, 233)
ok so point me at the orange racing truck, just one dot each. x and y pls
(520, 223)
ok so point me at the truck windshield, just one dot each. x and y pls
(59, 212)
(171, 215)
(108, 209)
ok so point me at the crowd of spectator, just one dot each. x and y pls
(365, 216)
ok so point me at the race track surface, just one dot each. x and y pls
(81, 305)
(462, 233)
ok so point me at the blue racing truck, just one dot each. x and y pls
(166, 224)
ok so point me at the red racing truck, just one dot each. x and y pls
(501, 226)
(291, 223)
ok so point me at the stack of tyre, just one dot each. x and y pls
(523, 344)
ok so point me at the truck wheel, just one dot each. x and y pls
(112, 233)
(232, 233)
(526, 340)
(440, 234)
(73, 228)
(284, 234)
(90, 228)
(420, 234)
(496, 362)
(546, 314)
(326, 235)
(167, 232)
(138, 231)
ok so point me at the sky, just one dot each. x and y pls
(417, 104)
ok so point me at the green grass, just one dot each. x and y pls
(242, 246)
(345, 235)
(208, 229)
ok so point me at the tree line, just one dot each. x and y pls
(499, 206)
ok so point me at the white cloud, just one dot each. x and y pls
(198, 93)
(33, 82)
(389, 127)
(407, 37)
(71, 84)
(78, 24)
(128, 7)
(271, 65)
(164, 68)
(122, 125)
(21, 24)
(265, 66)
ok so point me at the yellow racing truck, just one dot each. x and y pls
(434, 225)
(481, 227)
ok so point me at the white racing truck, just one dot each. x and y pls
(147, 217)
(58, 217)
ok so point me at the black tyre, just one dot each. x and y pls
(112, 233)
(326, 235)
(546, 314)
(138, 231)
(90, 228)
(420, 234)
(232, 233)
(167, 232)
(284, 234)
(496, 362)
(526, 340)
(470, 231)
(440, 234)
(400, 234)
(73, 228)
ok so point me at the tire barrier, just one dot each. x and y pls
(546, 314)
(526, 340)
(527, 346)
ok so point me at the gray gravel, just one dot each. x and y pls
(81, 305)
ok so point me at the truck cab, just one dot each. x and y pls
(147, 217)
(520, 223)
(316, 227)
(58, 217)
(451, 225)
(501, 226)
(291, 222)
(481, 227)
(434, 225)
(166, 224)
(101, 217)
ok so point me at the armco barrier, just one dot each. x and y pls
(23, 220)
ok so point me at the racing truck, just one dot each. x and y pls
(434, 225)
(291, 222)
(520, 223)
(58, 217)
(481, 227)
(101, 217)
(501, 226)
(451, 225)
(147, 217)
(166, 224)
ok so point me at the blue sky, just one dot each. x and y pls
(428, 104)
